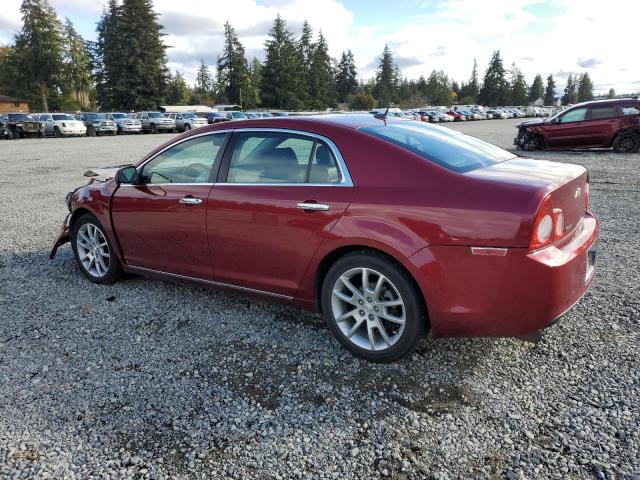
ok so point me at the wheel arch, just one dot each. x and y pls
(334, 255)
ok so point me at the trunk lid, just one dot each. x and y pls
(566, 184)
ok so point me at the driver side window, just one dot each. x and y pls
(576, 115)
(190, 161)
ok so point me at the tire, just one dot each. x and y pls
(627, 142)
(90, 244)
(362, 314)
(119, 131)
(153, 128)
(91, 132)
(187, 127)
(56, 132)
(16, 134)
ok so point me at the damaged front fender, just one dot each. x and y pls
(528, 139)
(64, 236)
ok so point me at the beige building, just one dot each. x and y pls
(13, 105)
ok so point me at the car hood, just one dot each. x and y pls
(530, 123)
(103, 174)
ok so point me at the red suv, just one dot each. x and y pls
(605, 123)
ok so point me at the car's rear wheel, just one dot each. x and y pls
(628, 142)
(153, 128)
(373, 307)
(93, 251)
(91, 132)
(57, 132)
(187, 127)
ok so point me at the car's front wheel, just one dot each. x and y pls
(93, 251)
(628, 142)
(373, 307)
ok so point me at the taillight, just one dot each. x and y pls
(548, 225)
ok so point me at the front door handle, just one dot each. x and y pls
(191, 201)
(314, 206)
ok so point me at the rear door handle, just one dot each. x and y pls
(191, 201)
(314, 206)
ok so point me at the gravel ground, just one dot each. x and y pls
(147, 379)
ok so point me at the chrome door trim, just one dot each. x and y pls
(321, 207)
(190, 201)
(345, 176)
(209, 282)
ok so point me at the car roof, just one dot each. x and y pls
(605, 101)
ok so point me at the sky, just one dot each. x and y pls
(556, 37)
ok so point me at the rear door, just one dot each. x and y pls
(568, 131)
(278, 195)
(602, 123)
(161, 223)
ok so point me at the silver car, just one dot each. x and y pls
(187, 120)
(125, 123)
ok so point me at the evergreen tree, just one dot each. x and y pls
(472, 89)
(77, 66)
(537, 89)
(570, 93)
(107, 58)
(133, 74)
(438, 91)
(39, 48)
(387, 77)
(204, 80)
(304, 57)
(455, 88)
(495, 89)
(550, 91)
(255, 80)
(361, 101)
(178, 92)
(519, 88)
(233, 73)
(585, 88)
(612, 93)
(346, 76)
(322, 90)
(279, 75)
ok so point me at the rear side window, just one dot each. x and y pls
(271, 157)
(630, 110)
(598, 113)
(448, 148)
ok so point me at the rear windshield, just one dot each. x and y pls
(446, 147)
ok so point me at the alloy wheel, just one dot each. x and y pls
(93, 250)
(368, 309)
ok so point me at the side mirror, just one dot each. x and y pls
(127, 175)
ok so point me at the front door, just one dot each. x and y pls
(278, 197)
(568, 131)
(161, 222)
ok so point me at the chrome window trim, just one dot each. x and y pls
(345, 181)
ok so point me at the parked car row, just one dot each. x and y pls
(456, 113)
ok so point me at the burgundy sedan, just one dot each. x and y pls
(389, 229)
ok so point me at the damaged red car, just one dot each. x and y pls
(601, 124)
(389, 229)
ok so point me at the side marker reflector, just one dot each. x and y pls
(490, 251)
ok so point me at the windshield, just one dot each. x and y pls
(189, 115)
(238, 115)
(20, 116)
(155, 115)
(62, 117)
(120, 115)
(448, 148)
(95, 116)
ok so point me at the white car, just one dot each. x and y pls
(61, 125)
(125, 123)
(187, 121)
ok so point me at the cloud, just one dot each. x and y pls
(589, 62)
(439, 52)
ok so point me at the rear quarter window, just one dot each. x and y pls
(445, 147)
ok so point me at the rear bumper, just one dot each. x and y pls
(513, 295)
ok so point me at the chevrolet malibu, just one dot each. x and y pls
(388, 228)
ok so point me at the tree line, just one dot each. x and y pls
(53, 67)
